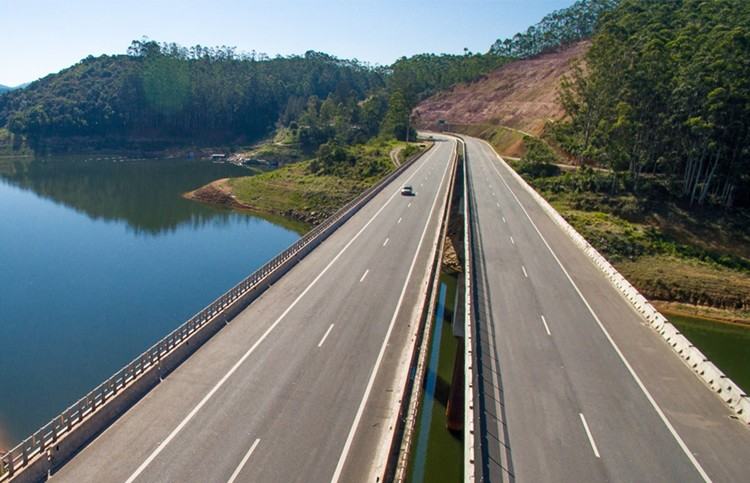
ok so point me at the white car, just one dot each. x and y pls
(407, 190)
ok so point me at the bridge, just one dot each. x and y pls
(572, 383)
(304, 369)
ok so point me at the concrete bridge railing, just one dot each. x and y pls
(57, 441)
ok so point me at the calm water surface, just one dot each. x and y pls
(726, 345)
(98, 260)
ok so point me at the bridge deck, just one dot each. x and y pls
(274, 396)
(558, 403)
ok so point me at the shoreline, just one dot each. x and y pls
(219, 194)
(711, 314)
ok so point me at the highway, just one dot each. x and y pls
(301, 385)
(573, 384)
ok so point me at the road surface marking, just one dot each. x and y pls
(546, 327)
(386, 241)
(498, 205)
(373, 374)
(364, 275)
(524, 271)
(409, 205)
(503, 219)
(242, 463)
(320, 344)
(616, 348)
(513, 242)
(588, 433)
(399, 221)
(263, 336)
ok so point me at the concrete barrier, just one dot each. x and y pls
(694, 358)
(680, 344)
(731, 393)
(705, 369)
(743, 409)
(711, 375)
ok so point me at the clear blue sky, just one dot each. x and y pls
(43, 36)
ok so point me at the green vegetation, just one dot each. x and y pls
(312, 190)
(666, 93)
(11, 145)
(555, 30)
(699, 257)
(162, 94)
(726, 345)
(420, 76)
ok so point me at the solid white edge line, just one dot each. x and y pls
(379, 360)
(330, 328)
(546, 327)
(243, 462)
(265, 334)
(588, 433)
(617, 350)
(524, 271)
(364, 275)
(386, 241)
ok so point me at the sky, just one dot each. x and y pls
(44, 36)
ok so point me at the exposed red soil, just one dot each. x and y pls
(522, 95)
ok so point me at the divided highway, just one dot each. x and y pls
(301, 385)
(573, 384)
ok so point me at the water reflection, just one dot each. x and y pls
(98, 260)
(143, 193)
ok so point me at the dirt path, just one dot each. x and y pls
(394, 155)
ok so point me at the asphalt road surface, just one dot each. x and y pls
(299, 386)
(575, 386)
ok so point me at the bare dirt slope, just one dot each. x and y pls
(520, 95)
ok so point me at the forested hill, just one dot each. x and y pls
(163, 92)
(4, 88)
(557, 29)
(666, 91)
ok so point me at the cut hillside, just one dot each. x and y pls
(521, 95)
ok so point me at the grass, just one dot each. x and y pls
(506, 141)
(295, 191)
(670, 253)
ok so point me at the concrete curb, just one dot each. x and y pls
(714, 378)
(59, 440)
(411, 399)
(469, 416)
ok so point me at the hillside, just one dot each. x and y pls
(521, 95)
(4, 88)
(166, 94)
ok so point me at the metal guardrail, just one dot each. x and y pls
(49, 434)
(469, 442)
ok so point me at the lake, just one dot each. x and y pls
(100, 258)
(726, 345)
